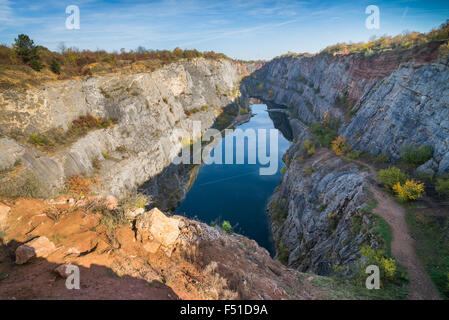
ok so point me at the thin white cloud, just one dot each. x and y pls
(5, 11)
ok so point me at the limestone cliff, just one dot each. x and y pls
(153, 111)
(384, 102)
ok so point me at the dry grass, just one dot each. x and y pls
(23, 184)
(219, 285)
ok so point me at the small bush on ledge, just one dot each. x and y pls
(411, 190)
(340, 147)
(416, 155)
(227, 227)
(391, 176)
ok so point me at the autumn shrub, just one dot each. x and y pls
(409, 191)
(391, 176)
(79, 185)
(310, 147)
(50, 139)
(387, 266)
(339, 146)
(91, 122)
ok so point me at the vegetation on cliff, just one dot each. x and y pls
(24, 55)
(404, 41)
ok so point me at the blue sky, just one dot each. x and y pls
(251, 29)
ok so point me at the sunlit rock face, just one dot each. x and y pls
(154, 111)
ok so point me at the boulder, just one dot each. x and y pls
(111, 202)
(427, 168)
(155, 230)
(40, 248)
(63, 270)
(134, 213)
(4, 212)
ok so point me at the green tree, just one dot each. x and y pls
(25, 48)
(55, 67)
(35, 64)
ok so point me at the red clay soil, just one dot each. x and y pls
(114, 265)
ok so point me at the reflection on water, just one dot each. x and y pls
(237, 192)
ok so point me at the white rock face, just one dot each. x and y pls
(156, 230)
(151, 110)
(4, 212)
(393, 104)
(38, 248)
(10, 152)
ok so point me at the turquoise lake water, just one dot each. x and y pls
(237, 192)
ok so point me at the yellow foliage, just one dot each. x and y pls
(411, 190)
(389, 267)
(310, 147)
(339, 146)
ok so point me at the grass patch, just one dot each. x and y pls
(338, 289)
(416, 155)
(432, 245)
(24, 185)
(50, 139)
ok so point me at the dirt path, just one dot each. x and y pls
(402, 245)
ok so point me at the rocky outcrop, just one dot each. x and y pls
(384, 103)
(313, 213)
(4, 212)
(410, 107)
(154, 111)
(155, 231)
(205, 262)
(40, 247)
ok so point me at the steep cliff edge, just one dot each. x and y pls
(152, 112)
(146, 256)
(321, 213)
(385, 102)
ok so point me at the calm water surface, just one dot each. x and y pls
(237, 192)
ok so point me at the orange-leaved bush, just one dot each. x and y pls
(339, 146)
